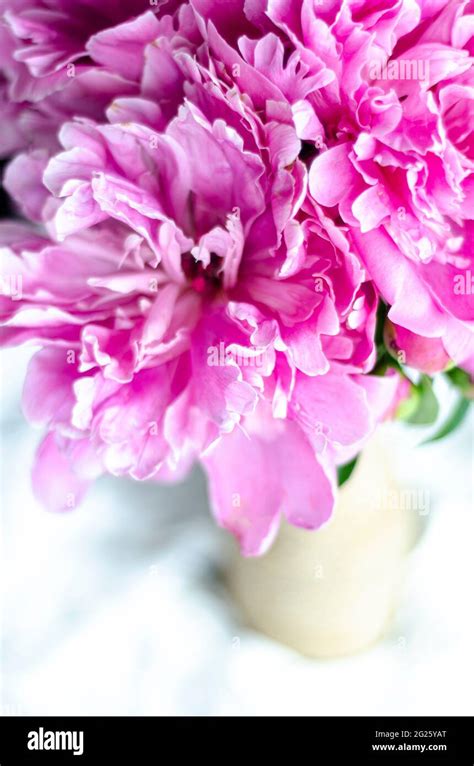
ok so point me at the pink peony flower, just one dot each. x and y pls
(223, 195)
(156, 267)
(399, 171)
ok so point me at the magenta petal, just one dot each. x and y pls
(331, 175)
(425, 354)
(400, 284)
(23, 181)
(253, 481)
(55, 482)
(122, 48)
(333, 406)
(48, 394)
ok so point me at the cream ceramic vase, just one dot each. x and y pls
(333, 591)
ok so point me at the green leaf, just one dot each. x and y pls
(454, 420)
(407, 408)
(344, 471)
(460, 379)
(428, 408)
(384, 361)
(382, 311)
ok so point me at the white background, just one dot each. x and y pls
(119, 607)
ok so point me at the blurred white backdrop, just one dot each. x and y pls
(119, 607)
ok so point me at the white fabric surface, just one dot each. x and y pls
(118, 608)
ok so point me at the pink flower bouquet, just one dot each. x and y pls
(242, 229)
